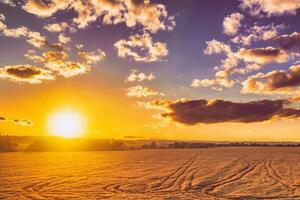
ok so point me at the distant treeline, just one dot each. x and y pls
(40, 144)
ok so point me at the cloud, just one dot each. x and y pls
(8, 2)
(140, 91)
(25, 73)
(150, 51)
(221, 79)
(21, 122)
(63, 39)
(153, 17)
(34, 38)
(56, 27)
(270, 7)
(264, 55)
(139, 77)
(92, 57)
(232, 23)
(2, 118)
(289, 42)
(41, 42)
(57, 61)
(216, 47)
(257, 32)
(227, 67)
(41, 9)
(31, 55)
(192, 112)
(11, 32)
(150, 16)
(278, 81)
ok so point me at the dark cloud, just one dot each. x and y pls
(289, 42)
(274, 81)
(193, 112)
(281, 79)
(25, 73)
(21, 122)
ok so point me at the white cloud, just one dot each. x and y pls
(63, 39)
(151, 51)
(270, 7)
(216, 47)
(140, 91)
(258, 33)
(151, 16)
(56, 27)
(232, 23)
(139, 77)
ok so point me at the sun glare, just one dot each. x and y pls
(66, 124)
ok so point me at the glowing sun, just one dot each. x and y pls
(66, 124)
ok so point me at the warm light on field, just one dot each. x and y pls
(66, 124)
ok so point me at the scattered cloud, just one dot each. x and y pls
(270, 7)
(150, 16)
(140, 91)
(216, 47)
(57, 61)
(134, 76)
(278, 81)
(257, 32)
(63, 39)
(41, 9)
(8, 2)
(34, 38)
(232, 23)
(92, 57)
(221, 79)
(57, 27)
(141, 48)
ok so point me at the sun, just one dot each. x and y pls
(66, 124)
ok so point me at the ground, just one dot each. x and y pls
(213, 173)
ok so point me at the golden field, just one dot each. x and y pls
(213, 173)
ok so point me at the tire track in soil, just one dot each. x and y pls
(250, 167)
(178, 177)
(272, 173)
(175, 178)
(35, 190)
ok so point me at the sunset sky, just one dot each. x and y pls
(168, 69)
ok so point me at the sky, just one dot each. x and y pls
(187, 70)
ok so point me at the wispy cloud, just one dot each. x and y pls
(140, 91)
(136, 76)
(151, 51)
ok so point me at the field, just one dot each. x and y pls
(213, 173)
